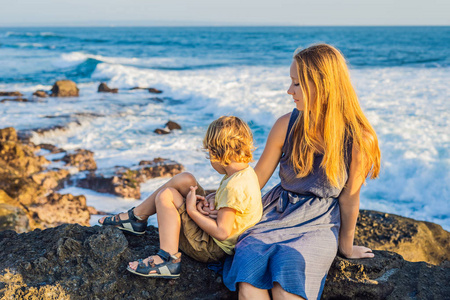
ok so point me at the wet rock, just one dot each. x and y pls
(172, 125)
(112, 185)
(126, 181)
(149, 89)
(162, 131)
(40, 94)
(26, 135)
(90, 262)
(58, 209)
(82, 159)
(103, 88)
(65, 88)
(51, 148)
(169, 127)
(19, 99)
(156, 99)
(154, 91)
(10, 94)
(414, 240)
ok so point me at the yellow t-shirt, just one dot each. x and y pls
(240, 192)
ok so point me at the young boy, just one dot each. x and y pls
(229, 144)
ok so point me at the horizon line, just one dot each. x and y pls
(218, 25)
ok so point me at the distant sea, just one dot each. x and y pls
(401, 75)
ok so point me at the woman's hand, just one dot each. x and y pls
(357, 252)
(206, 206)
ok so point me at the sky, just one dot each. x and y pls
(223, 12)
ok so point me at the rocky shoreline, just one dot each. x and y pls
(49, 252)
(29, 182)
(76, 262)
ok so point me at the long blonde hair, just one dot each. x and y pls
(332, 115)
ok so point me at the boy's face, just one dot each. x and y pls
(218, 167)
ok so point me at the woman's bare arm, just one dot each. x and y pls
(349, 207)
(271, 155)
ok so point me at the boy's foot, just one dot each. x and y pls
(154, 259)
(162, 265)
(128, 223)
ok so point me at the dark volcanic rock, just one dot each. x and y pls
(103, 88)
(112, 185)
(150, 90)
(168, 129)
(18, 99)
(10, 94)
(126, 182)
(154, 91)
(90, 263)
(82, 159)
(51, 148)
(65, 88)
(162, 131)
(40, 94)
(172, 125)
(414, 240)
(156, 99)
(386, 276)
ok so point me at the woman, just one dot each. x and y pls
(326, 148)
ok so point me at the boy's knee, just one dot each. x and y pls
(186, 179)
(166, 194)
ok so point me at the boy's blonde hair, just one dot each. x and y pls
(229, 139)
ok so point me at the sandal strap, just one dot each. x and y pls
(164, 255)
(131, 215)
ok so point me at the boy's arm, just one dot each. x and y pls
(220, 228)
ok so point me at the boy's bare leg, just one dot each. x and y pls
(167, 201)
(180, 182)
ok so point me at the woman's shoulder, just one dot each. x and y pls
(283, 122)
(278, 132)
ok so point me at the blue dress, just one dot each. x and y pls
(296, 240)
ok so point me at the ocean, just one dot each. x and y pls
(401, 75)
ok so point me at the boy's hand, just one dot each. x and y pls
(191, 199)
(206, 207)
